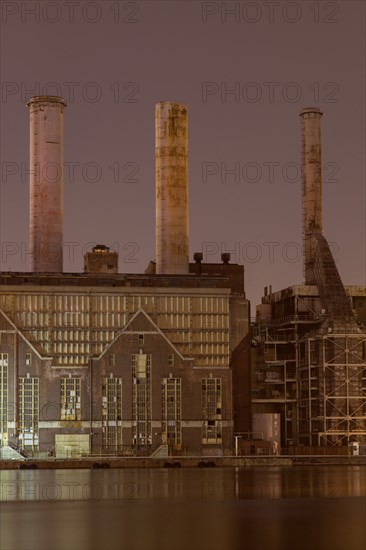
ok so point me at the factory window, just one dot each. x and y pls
(28, 359)
(171, 411)
(112, 360)
(3, 398)
(211, 411)
(141, 399)
(112, 414)
(70, 399)
(28, 413)
(170, 360)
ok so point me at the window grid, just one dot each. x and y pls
(141, 399)
(211, 411)
(171, 411)
(112, 413)
(4, 361)
(28, 413)
(70, 399)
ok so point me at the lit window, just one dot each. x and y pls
(171, 411)
(28, 413)
(70, 399)
(141, 399)
(211, 410)
(112, 414)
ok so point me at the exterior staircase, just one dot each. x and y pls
(160, 452)
(8, 453)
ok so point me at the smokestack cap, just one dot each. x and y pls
(198, 257)
(162, 104)
(225, 257)
(46, 99)
(308, 110)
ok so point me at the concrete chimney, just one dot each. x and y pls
(46, 183)
(311, 185)
(171, 154)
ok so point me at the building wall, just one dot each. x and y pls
(191, 378)
(69, 324)
(72, 332)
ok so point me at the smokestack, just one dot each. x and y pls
(312, 185)
(171, 154)
(46, 183)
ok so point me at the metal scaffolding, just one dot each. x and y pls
(332, 389)
(316, 335)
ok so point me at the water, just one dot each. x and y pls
(280, 508)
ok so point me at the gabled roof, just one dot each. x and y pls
(14, 328)
(149, 324)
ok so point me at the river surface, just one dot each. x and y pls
(269, 508)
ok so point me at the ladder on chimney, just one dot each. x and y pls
(303, 196)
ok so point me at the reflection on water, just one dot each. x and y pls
(203, 485)
(219, 508)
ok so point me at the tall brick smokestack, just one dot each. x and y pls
(46, 183)
(171, 154)
(311, 185)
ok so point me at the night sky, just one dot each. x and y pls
(245, 73)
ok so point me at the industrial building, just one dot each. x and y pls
(165, 362)
(309, 340)
(107, 363)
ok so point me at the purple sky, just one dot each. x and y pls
(166, 51)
